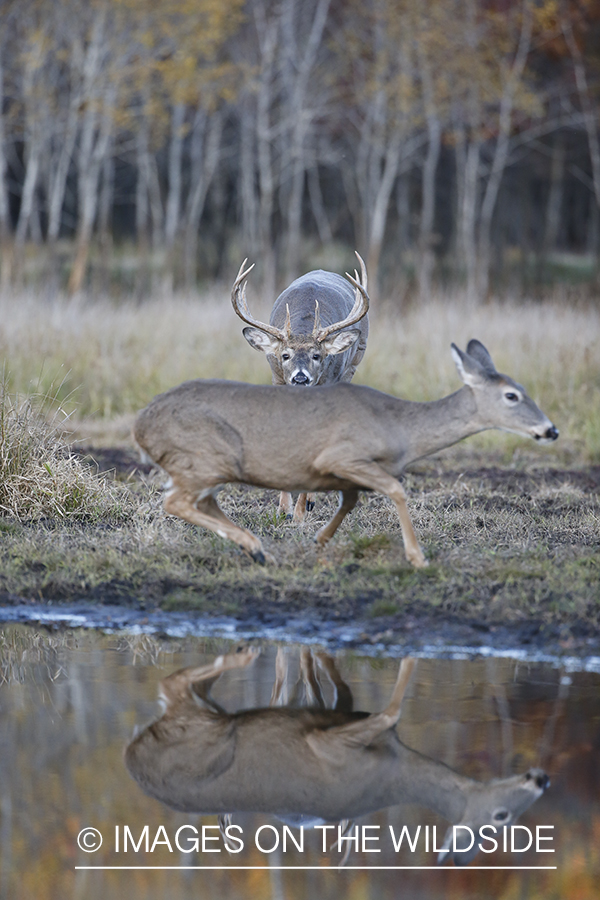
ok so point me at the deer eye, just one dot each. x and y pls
(285, 356)
(501, 815)
(316, 356)
(511, 397)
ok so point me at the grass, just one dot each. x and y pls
(507, 539)
(497, 553)
(112, 359)
(39, 476)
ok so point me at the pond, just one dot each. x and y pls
(71, 701)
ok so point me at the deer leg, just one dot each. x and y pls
(370, 475)
(347, 503)
(279, 692)
(177, 686)
(305, 503)
(413, 552)
(363, 732)
(206, 512)
(300, 508)
(314, 694)
(286, 504)
(344, 701)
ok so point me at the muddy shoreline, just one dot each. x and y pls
(429, 633)
(514, 553)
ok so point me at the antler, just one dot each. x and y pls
(358, 311)
(240, 304)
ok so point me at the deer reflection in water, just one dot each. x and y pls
(307, 765)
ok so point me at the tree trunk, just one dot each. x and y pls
(555, 194)
(589, 110)
(95, 141)
(267, 33)
(318, 206)
(301, 123)
(104, 220)
(32, 153)
(142, 280)
(247, 174)
(173, 205)
(468, 218)
(174, 174)
(500, 154)
(205, 157)
(434, 132)
(6, 250)
(380, 209)
(58, 177)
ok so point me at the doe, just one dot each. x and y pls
(340, 437)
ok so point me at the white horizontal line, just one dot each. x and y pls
(324, 868)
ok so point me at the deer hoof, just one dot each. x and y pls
(258, 556)
(310, 505)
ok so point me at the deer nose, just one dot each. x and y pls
(301, 378)
(539, 777)
(551, 433)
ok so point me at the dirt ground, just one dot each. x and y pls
(514, 557)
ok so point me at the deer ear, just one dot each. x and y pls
(260, 340)
(340, 342)
(478, 351)
(469, 368)
(449, 849)
(446, 848)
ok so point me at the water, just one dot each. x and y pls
(69, 703)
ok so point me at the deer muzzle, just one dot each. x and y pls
(550, 434)
(301, 378)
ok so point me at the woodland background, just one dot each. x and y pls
(453, 142)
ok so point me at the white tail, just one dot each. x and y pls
(307, 765)
(317, 334)
(344, 437)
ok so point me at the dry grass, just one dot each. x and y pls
(507, 549)
(500, 552)
(111, 359)
(39, 477)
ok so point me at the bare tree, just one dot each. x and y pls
(99, 99)
(5, 236)
(300, 52)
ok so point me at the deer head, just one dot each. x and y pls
(296, 356)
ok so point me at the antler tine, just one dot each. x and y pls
(317, 325)
(363, 269)
(358, 311)
(241, 275)
(240, 304)
(287, 329)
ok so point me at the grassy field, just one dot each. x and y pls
(511, 529)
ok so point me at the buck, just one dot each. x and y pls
(310, 338)
(307, 765)
(340, 437)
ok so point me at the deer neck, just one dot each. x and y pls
(431, 784)
(441, 423)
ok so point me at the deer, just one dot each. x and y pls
(317, 334)
(342, 437)
(307, 765)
